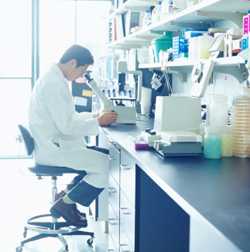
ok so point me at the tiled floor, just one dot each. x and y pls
(23, 195)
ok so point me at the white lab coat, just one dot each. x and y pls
(58, 130)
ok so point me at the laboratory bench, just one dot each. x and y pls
(178, 204)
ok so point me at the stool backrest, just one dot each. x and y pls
(27, 138)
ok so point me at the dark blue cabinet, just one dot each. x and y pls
(161, 225)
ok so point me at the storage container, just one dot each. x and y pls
(162, 44)
(241, 125)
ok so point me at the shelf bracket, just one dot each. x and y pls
(179, 73)
(240, 72)
(234, 17)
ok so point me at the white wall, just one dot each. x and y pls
(222, 84)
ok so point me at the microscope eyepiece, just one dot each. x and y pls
(88, 76)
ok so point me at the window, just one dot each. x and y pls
(15, 49)
(64, 23)
(15, 72)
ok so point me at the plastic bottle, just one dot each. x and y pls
(227, 142)
(218, 113)
(212, 145)
(156, 12)
(147, 19)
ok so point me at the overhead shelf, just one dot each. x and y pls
(204, 13)
(235, 66)
(135, 40)
(201, 14)
(130, 41)
(227, 61)
(136, 5)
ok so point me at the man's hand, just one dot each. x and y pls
(106, 118)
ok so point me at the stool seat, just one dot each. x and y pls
(48, 170)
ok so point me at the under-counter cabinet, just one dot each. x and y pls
(121, 200)
(162, 225)
(114, 199)
(178, 204)
(127, 203)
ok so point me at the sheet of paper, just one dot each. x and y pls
(80, 101)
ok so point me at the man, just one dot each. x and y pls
(58, 131)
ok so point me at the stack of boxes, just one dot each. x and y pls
(180, 46)
(246, 31)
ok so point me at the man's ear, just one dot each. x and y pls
(73, 63)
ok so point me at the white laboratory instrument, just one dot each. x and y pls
(202, 71)
(200, 77)
(178, 143)
(125, 115)
(177, 124)
(245, 54)
(177, 113)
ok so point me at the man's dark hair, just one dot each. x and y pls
(81, 54)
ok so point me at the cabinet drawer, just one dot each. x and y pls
(127, 182)
(112, 245)
(125, 243)
(113, 223)
(127, 223)
(124, 240)
(114, 157)
(126, 248)
(113, 191)
(127, 177)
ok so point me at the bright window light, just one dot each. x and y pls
(64, 23)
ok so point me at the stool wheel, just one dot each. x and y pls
(19, 249)
(90, 241)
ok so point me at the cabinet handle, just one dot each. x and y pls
(125, 167)
(112, 190)
(125, 211)
(111, 140)
(125, 249)
(113, 222)
(111, 159)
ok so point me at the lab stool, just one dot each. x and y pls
(46, 225)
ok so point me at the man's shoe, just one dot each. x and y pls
(74, 208)
(60, 208)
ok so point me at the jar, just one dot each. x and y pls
(218, 112)
(162, 44)
(241, 125)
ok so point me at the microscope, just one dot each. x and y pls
(125, 115)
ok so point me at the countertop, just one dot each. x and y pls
(218, 190)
